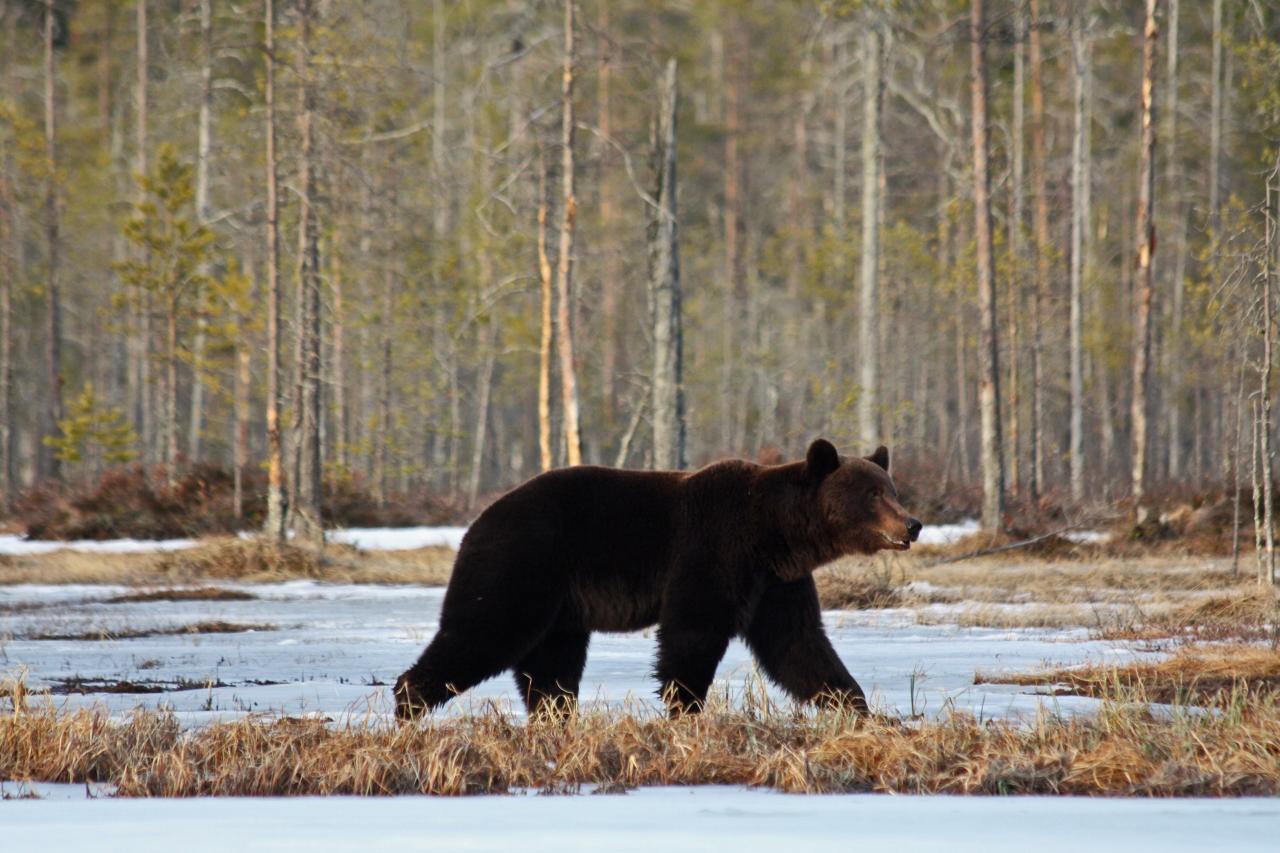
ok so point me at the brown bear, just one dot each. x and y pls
(725, 551)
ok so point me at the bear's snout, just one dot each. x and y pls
(913, 528)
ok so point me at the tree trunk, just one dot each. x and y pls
(243, 387)
(439, 125)
(869, 292)
(1145, 232)
(1016, 252)
(143, 319)
(1173, 346)
(664, 289)
(171, 386)
(307, 492)
(53, 353)
(611, 272)
(275, 524)
(1271, 254)
(988, 347)
(202, 215)
(380, 476)
(1076, 453)
(564, 272)
(546, 453)
(338, 370)
(484, 385)
(1040, 291)
(8, 280)
(1215, 115)
(732, 168)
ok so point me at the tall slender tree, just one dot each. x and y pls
(52, 466)
(564, 270)
(1079, 54)
(1044, 248)
(546, 451)
(275, 521)
(204, 126)
(305, 509)
(664, 288)
(992, 452)
(1145, 232)
(869, 291)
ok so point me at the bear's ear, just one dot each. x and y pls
(880, 457)
(821, 459)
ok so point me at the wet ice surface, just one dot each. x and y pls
(333, 649)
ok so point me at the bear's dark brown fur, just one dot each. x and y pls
(708, 555)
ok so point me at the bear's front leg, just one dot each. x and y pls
(789, 643)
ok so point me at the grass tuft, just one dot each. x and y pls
(1123, 751)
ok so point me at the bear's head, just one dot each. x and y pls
(858, 501)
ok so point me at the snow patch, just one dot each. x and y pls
(945, 534)
(648, 819)
(399, 538)
(364, 538)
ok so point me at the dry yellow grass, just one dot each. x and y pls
(226, 558)
(1201, 674)
(1152, 598)
(1122, 751)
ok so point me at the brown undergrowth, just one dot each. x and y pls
(232, 559)
(1211, 674)
(1123, 750)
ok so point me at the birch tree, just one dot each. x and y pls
(275, 521)
(1040, 193)
(204, 124)
(869, 292)
(992, 452)
(53, 298)
(1079, 52)
(664, 288)
(1145, 232)
(564, 271)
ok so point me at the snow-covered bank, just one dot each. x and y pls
(409, 538)
(645, 820)
(13, 545)
(398, 538)
(946, 534)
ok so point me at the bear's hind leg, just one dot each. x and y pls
(548, 677)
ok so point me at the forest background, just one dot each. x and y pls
(420, 251)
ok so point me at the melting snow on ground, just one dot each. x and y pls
(648, 819)
(333, 649)
(409, 538)
(364, 538)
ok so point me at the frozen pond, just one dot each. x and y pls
(334, 649)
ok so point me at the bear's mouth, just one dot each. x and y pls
(896, 544)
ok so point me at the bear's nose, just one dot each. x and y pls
(913, 528)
